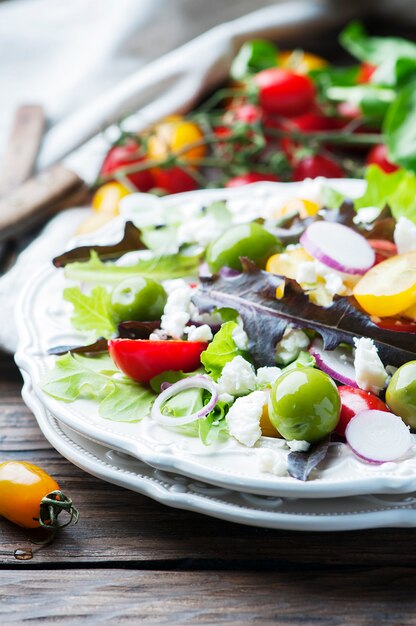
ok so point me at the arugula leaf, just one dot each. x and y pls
(221, 350)
(400, 128)
(96, 378)
(394, 57)
(397, 190)
(92, 311)
(253, 56)
(131, 240)
(301, 464)
(253, 294)
(158, 268)
(98, 346)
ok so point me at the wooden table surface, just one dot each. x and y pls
(132, 560)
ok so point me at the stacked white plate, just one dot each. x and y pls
(224, 481)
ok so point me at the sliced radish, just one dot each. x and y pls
(378, 436)
(338, 363)
(338, 247)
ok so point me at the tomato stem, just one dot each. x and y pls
(52, 505)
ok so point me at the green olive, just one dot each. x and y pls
(138, 298)
(250, 240)
(401, 393)
(304, 404)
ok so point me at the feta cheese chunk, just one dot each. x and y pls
(178, 310)
(243, 418)
(271, 461)
(292, 342)
(267, 375)
(298, 445)
(199, 333)
(201, 230)
(237, 378)
(405, 235)
(306, 273)
(370, 373)
(240, 338)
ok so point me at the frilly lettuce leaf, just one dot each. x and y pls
(96, 378)
(221, 350)
(92, 311)
(396, 190)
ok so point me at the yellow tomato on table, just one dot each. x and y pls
(389, 287)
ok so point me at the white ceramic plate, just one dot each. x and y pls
(366, 511)
(44, 322)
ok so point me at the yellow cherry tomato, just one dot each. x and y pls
(287, 263)
(173, 134)
(300, 61)
(107, 198)
(389, 287)
(29, 497)
(298, 206)
(410, 313)
(267, 428)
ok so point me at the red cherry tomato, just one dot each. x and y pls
(365, 73)
(384, 249)
(252, 177)
(316, 165)
(378, 156)
(245, 112)
(398, 325)
(353, 401)
(285, 93)
(174, 180)
(141, 359)
(310, 122)
(123, 156)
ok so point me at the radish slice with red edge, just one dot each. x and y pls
(338, 247)
(378, 436)
(338, 363)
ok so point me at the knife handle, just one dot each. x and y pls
(36, 199)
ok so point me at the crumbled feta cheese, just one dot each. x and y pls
(405, 235)
(175, 283)
(201, 230)
(237, 378)
(271, 461)
(226, 397)
(292, 342)
(298, 445)
(243, 418)
(366, 215)
(199, 333)
(334, 284)
(306, 273)
(158, 335)
(267, 375)
(177, 312)
(239, 336)
(370, 374)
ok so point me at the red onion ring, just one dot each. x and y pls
(199, 382)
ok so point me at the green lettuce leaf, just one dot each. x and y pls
(394, 57)
(96, 378)
(221, 350)
(400, 128)
(92, 312)
(158, 268)
(253, 56)
(397, 190)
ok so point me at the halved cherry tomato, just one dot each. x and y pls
(316, 165)
(171, 136)
(26, 494)
(120, 157)
(365, 73)
(353, 401)
(389, 287)
(384, 249)
(251, 177)
(142, 359)
(285, 93)
(378, 156)
(397, 324)
(287, 263)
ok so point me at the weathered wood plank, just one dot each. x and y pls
(330, 598)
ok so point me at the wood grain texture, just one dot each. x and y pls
(357, 597)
